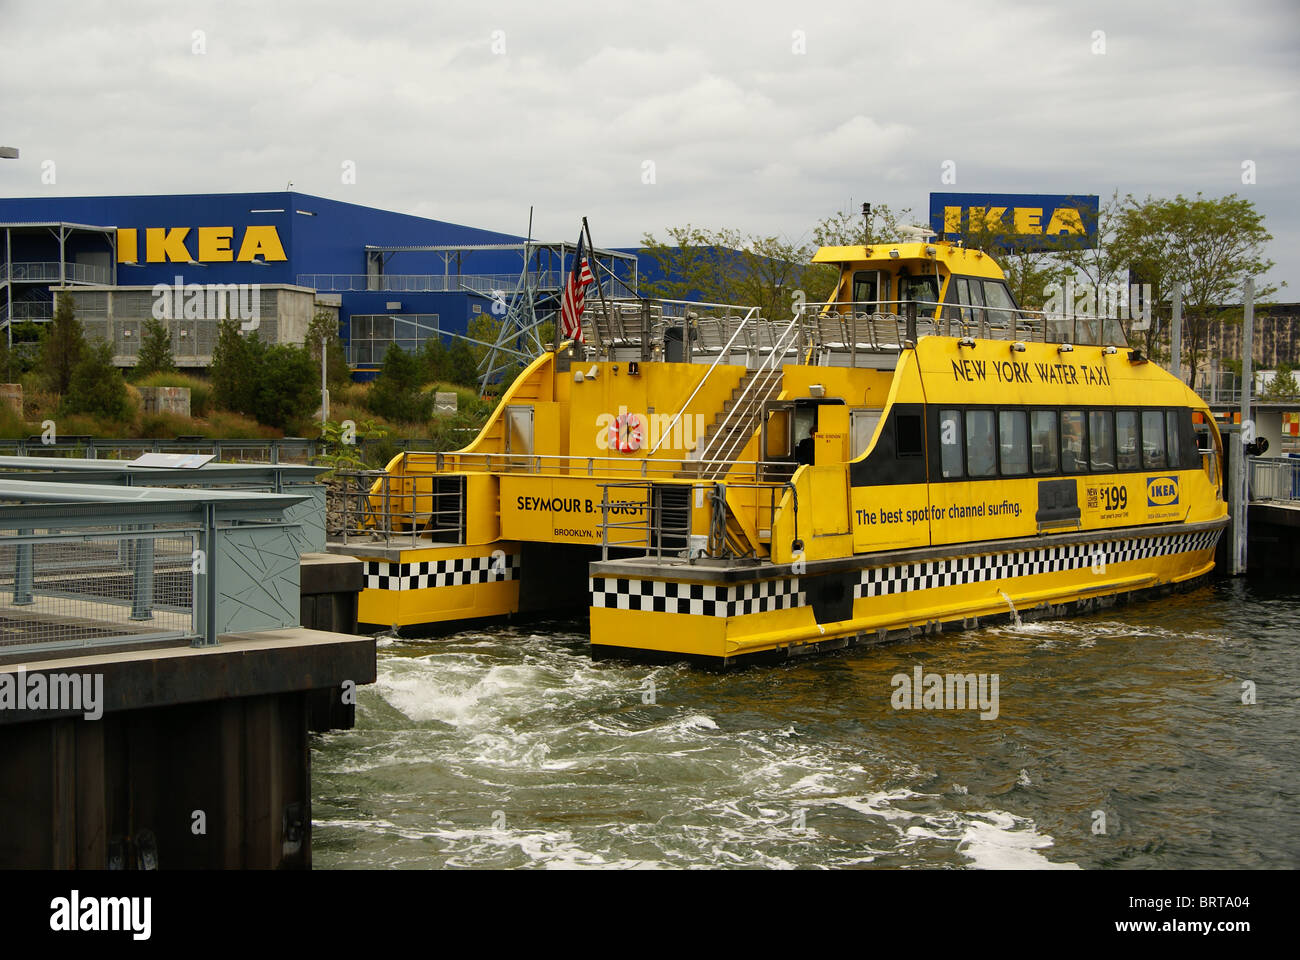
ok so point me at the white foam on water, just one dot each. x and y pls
(990, 839)
(994, 840)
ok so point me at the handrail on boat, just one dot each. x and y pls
(724, 352)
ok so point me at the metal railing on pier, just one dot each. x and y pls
(280, 450)
(87, 565)
(1273, 478)
(70, 587)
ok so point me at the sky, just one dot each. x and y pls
(762, 116)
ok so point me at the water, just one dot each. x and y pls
(509, 748)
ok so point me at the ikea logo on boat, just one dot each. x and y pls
(1162, 491)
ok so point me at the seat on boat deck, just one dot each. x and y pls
(886, 327)
(830, 328)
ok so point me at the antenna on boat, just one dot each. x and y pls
(866, 226)
(916, 232)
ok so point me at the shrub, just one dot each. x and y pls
(96, 386)
(286, 385)
(396, 394)
(274, 384)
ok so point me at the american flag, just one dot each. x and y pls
(575, 296)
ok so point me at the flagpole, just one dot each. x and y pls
(595, 275)
(559, 319)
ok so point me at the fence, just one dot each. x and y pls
(118, 583)
(85, 565)
(1274, 478)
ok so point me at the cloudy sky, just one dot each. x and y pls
(765, 115)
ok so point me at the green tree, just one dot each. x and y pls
(846, 228)
(729, 266)
(1031, 274)
(1283, 386)
(62, 347)
(234, 367)
(397, 393)
(1209, 246)
(286, 384)
(325, 324)
(433, 359)
(96, 385)
(462, 365)
(155, 349)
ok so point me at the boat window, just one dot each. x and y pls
(950, 447)
(1042, 428)
(981, 447)
(1175, 438)
(1101, 441)
(1072, 434)
(1126, 440)
(977, 301)
(923, 289)
(1153, 439)
(1112, 332)
(1013, 436)
(959, 294)
(997, 295)
(805, 425)
(908, 435)
(866, 288)
(1085, 330)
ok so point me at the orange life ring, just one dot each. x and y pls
(626, 433)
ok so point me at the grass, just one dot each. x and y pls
(200, 389)
(348, 402)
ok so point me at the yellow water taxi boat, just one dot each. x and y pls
(917, 454)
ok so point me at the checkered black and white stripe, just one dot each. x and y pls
(665, 596)
(881, 581)
(381, 575)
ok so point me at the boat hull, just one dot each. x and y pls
(726, 614)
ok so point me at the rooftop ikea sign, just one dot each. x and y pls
(199, 244)
(1021, 221)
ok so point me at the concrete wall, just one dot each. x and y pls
(11, 396)
(118, 314)
(165, 400)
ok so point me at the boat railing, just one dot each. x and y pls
(659, 518)
(376, 506)
(725, 351)
(762, 386)
(878, 325)
(591, 466)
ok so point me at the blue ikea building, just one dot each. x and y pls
(281, 257)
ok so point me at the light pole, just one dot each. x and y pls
(324, 384)
(9, 153)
